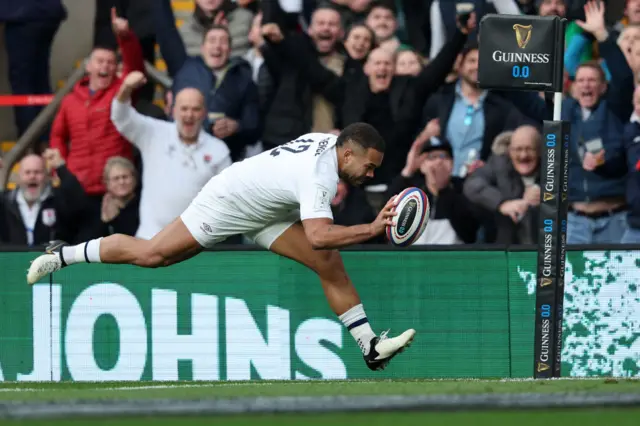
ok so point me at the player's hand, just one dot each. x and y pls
(594, 20)
(591, 161)
(134, 80)
(532, 195)
(120, 26)
(385, 217)
(272, 33)
(515, 209)
(225, 127)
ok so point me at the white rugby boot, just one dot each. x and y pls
(384, 348)
(46, 263)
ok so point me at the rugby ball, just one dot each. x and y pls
(412, 206)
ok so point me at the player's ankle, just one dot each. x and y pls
(87, 252)
(358, 325)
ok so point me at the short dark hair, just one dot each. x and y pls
(362, 134)
(328, 5)
(594, 65)
(469, 47)
(105, 46)
(383, 4)
(216, 27)
(362, 24)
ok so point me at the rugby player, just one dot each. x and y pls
(280, 199)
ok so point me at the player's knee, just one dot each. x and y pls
(329, 265)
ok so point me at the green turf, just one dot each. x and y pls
(587, 417)
(193, 390)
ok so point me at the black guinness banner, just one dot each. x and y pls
(521, 52)
(551, 249)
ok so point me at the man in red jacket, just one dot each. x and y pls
(82, 130)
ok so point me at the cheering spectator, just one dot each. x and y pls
(359, 41)
(628, 42)
(179, 157)
(470, 117)
(215, 12)
(82, 130)
(631, 15)
(293, 107)
(452, 219)
(620, 91)
(29, 28)
(408, 62)
(231, 96)
(597, 212)
(138, 14)
(121, 202)
(351, 11)
(508, 186)
(119, 207)
(384, 23)
(632, 146)
(34, 213)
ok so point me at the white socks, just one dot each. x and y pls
(358, 325)
(88, 252)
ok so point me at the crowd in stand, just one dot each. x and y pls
(250, 75)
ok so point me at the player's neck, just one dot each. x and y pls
(339, 151)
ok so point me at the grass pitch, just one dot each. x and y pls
(67, 392)
(200, 390)
(601, 417)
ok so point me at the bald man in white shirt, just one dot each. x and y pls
(178, 158)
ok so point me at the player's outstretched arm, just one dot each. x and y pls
(323, 234)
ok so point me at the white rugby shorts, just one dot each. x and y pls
(210, 220)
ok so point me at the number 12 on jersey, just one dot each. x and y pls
(296, 147)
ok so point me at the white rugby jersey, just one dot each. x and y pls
(301, 174)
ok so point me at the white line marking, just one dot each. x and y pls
(27, 386)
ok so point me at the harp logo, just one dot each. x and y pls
(523, 34)
(545, 282)
(542, 367)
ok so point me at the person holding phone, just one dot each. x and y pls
(597, 169)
